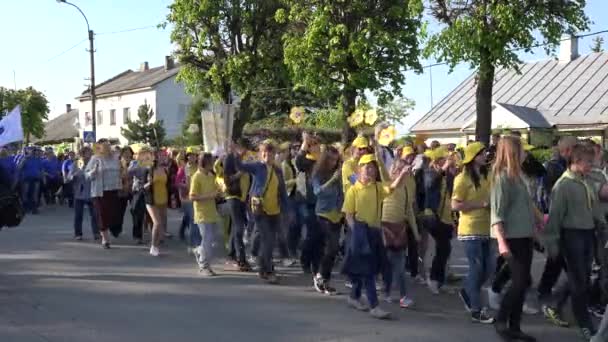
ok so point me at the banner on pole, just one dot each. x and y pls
(217, 121)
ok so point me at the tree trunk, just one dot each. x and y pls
(242, 115)
(485, 83)
(348, 102)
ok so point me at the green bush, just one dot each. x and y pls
(542, 154)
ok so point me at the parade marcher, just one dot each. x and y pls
(471, 197)
(124, 195)
(157, 190)
(31, 174)
(53, 178)
(68, 188)
(294, 226)
(408, 154)
(573, 217)
(138, 175)
(365, 249)
(513, 219)
(398, 226)
(183, 180)
(203, 193)
(82, 194)
(237, 188)
(350, 167)
(437, 214)
(268, 199)
(104, 172)
(327, 186)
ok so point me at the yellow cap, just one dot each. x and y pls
(361, 142)
(366, 159)
(407, 150)
(436, 154)
(471, 151)
(527, 147)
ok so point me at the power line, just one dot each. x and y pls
(66, 51)
(127, 30)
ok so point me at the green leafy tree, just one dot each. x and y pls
(193, 117)
(143, 130)
(34, 109)
(487, 33)
(598, 44)
(347, 47)
(395, 111)
(228, 47)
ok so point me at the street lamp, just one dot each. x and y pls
(92, 54)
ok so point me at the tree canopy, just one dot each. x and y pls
(143, 130)
(343, 48)
(488, 34)
(34, 109)
(598, 44)
(227, 48)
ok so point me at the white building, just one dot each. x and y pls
(119, 98)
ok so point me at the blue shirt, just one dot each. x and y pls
(52, 167)
(31, 168)
(67, 165)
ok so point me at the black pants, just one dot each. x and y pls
(238, 220)
(116, 229)
(550, 276)
(330, 243)
(519, 262)
(442, 234)
(138, 212)
(577, 247)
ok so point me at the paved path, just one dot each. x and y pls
(55, 289)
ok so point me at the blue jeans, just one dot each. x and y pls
(208, 233)
(577, 248)
(481, 266)
(396, 260)
(294, 233)
(267, 227)
(370, 288)
(310, 256)
(30, 192)
(79, 215)
(194, 236)
(238, 219)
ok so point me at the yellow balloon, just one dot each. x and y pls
(297, 114)
(371, 116)
(387, 136)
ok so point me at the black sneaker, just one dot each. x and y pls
(521, 336)
(481, 317)
(465, 299)
(330, 291)
(587, 334)
(318, 284)
(597, 311)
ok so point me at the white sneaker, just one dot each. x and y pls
(433, 286)
(406, 302)
(529, 309)
(420, 280)
(379, 313)
(357, 304)
(288, 262)
(154, 251)
(494, 299)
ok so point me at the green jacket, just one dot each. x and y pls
(574, 205)
(512, 206)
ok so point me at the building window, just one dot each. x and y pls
(112, 117)
(99, 118)
(126, 115)
(88, 120)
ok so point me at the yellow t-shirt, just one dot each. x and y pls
(159, 187)
(365, 202)
(203, 184)
(271, 197)
(349, 168)
(474, 222)
(394, 206)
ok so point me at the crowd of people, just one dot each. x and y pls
(368, 208)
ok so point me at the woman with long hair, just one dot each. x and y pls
(471, 198)
(157, 199)
(104, 172)
(327, 187)
(124, 195)
(513, 218)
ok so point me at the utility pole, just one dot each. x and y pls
(93, 98)
(92, 56)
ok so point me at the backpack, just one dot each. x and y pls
(11, 209)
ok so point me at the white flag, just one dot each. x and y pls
(10, 127)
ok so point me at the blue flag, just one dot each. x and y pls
(10, 127)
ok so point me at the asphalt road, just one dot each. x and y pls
(55, 289)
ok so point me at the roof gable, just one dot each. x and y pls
(545, 92)
(132, 80)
